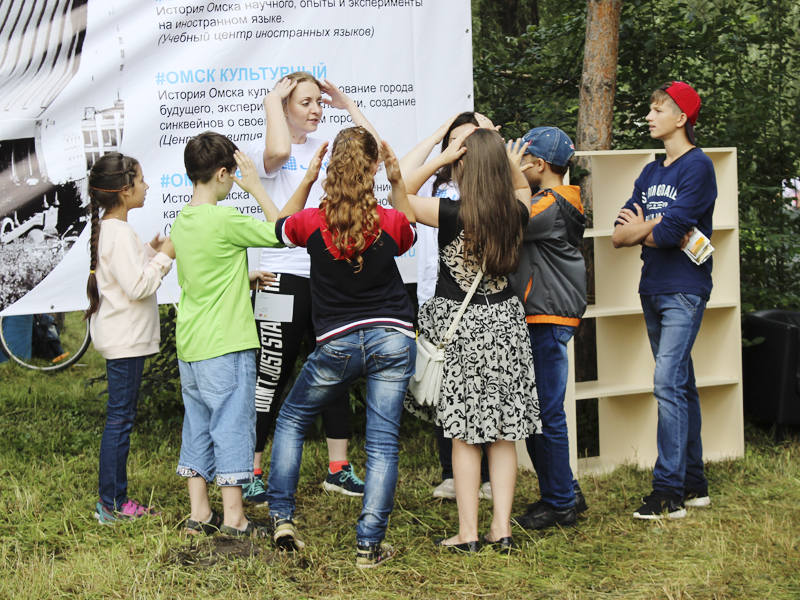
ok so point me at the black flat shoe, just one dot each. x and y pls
(503, 545)
(466, 547)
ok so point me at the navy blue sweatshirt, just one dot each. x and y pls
(683, 194)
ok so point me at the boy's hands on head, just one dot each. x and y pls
(393, 173)
(456, 150)
(316, 163)
(515, 150)
(249, 181)
(261, 280)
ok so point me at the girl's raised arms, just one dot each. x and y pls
(298, 200)
(398, 197)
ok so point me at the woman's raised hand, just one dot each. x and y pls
(316, 162)
(282, 89)
(338, 98)
(393, 173)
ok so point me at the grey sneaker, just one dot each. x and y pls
(486, 491)
(285, 535)
(446, 489)
(369, 557)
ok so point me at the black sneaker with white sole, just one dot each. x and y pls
(696, 498)
(661, 504)
(580, 503)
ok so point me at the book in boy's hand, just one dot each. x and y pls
(699, 248)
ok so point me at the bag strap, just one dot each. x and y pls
(452, 330)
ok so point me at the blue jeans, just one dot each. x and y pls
(673, 321)
(549, 451)
(124, 379)
(219, 426)
(386, 359)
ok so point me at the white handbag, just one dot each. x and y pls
(426, 383)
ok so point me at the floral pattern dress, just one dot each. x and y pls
(488, 386)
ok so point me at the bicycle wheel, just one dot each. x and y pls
(20, 342)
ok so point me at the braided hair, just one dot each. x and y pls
(110, 176)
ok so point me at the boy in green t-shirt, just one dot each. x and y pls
(216, 334)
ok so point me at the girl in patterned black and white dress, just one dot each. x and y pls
(488, 391)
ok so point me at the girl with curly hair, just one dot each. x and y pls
(363, 319)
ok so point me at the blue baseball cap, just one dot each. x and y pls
(550, 144)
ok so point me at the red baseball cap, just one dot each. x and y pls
(688, 101)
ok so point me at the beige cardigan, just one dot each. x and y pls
(128, 274)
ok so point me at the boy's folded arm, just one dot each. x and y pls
(692, 202)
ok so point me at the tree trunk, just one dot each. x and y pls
(595, 126)
(598, 82)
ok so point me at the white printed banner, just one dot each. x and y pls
(79, 78)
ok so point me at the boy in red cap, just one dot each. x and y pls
(670, 197)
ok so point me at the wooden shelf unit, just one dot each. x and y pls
(627, 409)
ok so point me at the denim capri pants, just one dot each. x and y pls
(219, 427)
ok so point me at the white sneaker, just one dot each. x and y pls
(446, 489)
(697, 502)
(485, 491)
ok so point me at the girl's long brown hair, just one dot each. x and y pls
(489, 209)
(109, 176)
(349, 206)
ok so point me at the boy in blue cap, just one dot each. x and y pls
(551, 282)
(671, 197)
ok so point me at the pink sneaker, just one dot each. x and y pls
(130, 510)
(133, 510)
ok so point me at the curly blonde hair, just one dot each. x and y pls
(349, 206)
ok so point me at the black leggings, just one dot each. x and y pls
(280, 347)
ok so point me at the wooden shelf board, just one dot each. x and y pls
(594, 389)
(595, 310)
(593, 232)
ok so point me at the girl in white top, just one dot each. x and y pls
(293, 113)
(123, 278)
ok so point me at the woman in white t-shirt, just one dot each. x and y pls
(293, 113)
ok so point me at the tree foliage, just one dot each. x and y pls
(742, 57)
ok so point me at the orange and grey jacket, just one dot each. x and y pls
(551, 278)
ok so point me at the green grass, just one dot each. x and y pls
(745, 546)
